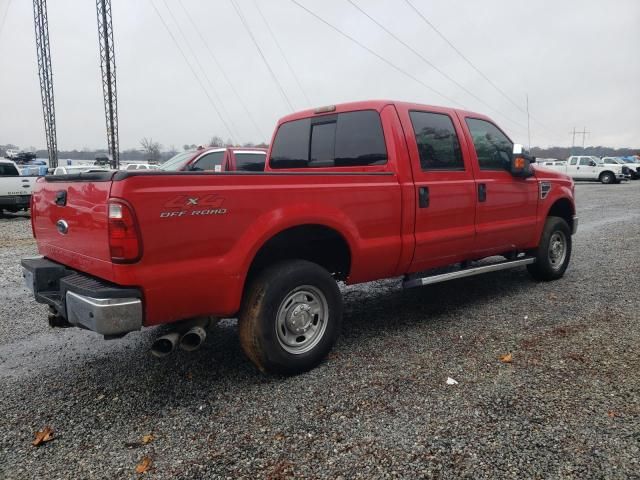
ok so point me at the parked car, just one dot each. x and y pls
(353, 192)
(11, 153)
(218, 159)
(73, 169)
(615, 161)
(139, 166)
(583, 167)
(633, 163)
(15, 190)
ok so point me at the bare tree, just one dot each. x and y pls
(172, 151)
(151, 149)
(216, 141)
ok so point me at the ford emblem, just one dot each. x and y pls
(62, 226)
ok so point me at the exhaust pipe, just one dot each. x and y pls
(193, 339)
(165, 344)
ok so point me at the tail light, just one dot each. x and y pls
(32, 212)
(124, 237)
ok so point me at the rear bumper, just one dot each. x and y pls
(84, 301)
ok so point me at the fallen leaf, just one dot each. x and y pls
(613, 414)
(279, 436)
(189, 375)
(148, 438)
(506, 358)
(42, 436)
(144, 465)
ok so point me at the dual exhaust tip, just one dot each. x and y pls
(189, 341)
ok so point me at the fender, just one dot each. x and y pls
(557, 192)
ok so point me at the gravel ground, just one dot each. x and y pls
(568, 406)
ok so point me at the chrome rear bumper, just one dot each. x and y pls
(84, 301)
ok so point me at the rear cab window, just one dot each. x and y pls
(350, 139)
(437, 141)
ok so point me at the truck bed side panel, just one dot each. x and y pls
(201, 232)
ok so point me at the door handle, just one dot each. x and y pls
(482, 192)
(423, 197)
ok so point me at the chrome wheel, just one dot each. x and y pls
(557, 250)
(302, 319)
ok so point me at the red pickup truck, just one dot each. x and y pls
(353, 192)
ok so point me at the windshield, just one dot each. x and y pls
(177, 162)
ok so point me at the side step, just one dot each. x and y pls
(467, 272)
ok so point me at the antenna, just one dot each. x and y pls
(528, 123)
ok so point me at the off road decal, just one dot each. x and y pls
(193, 205)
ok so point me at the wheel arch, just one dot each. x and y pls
(316, 242)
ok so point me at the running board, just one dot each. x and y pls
(467, 272)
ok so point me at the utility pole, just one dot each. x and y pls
(108, 67)
(584, 134)
(45, 73)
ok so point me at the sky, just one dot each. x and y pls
(577, 61)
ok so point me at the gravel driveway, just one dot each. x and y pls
(567, 406)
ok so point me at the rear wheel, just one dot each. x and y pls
(607, 178)
(290, 317)
(553, 252)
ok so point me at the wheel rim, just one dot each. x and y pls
(301, 320)
(606, 178)
(557, 250)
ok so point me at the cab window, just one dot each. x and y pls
(585, 162)
(209, 162)
(437, 141)
(493, 147)
(344, 140)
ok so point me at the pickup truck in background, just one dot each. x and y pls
(15, 190)
(218, 159)
(583, 167)
(353, 192)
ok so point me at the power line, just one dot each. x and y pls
(4, 17)
(425, 60)
(470, 63)
(195, 57)
(175, 41)
(224, 74)
(257, 5)
(441, 35)
(264, 58)
(375, 54)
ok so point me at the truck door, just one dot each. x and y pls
(572, 167)
(586, 169)
(507, 206)
(445, 189)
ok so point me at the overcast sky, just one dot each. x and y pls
(579, 62)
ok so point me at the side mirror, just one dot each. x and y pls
(592, 163)
(521, 162)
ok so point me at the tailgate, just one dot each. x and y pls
(70, 220)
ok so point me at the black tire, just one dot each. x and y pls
(547, 265)
(607, 178)
(286, 287)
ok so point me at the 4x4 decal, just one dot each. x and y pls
(192, 205)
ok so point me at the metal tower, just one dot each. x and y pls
(108, 67)
(46, 78)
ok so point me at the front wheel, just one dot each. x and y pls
(290, 317)
(607, 178)
(553, 252)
